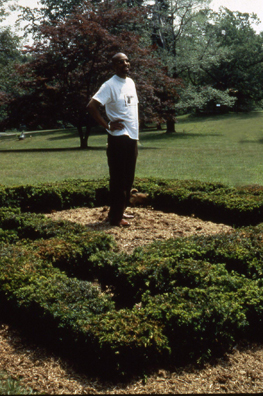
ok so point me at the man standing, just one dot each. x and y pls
(119, 97)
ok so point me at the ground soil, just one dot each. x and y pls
(148, 225)
(238, 371)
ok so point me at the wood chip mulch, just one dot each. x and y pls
(239, 371)
(148, 225)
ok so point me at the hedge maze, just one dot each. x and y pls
(170, 302)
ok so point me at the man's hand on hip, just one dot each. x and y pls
(116, 125)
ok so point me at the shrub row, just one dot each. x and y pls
(43, 198)
(75, 315)
(193, 262)
(34, 226)
(213, 201)
(210, 201)
(167, 302)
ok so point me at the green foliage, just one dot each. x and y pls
(234, 32)
(168, 302)
(176, 301)
(34, 226)
(203, 48)
(204, 100)
(34, 290)
(9, 386)
(55, 196)
(213, 201)
(10, 54)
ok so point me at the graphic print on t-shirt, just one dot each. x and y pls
(129, 100)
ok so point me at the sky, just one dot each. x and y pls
(248, 6)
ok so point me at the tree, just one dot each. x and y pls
(171, 20)
(10, 54)
(186, 44)
(217, 55)
(242, 73)
(3, 11)
(204, 99)
(224, 66)
(57, 10)
(72, 60)
(198, 51)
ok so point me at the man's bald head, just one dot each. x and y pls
(121, 64)
(118, 56)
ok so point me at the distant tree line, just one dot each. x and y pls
(185, 58)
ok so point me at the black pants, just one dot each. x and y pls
(122, 154)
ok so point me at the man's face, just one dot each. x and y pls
(121, 65)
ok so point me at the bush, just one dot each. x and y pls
(10, 386)
(175, 301)
(210, 201)
(44, 198)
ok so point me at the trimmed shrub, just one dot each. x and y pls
(181, 308)
(73, 313)
(173, 301)
(44, 198)
(210, 201)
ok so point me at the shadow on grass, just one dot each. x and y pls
(54, 150)
(63, 137)
(259, 141)
(44, 150)
(55, 133)
(175, 135)
(74, 134)
(220, 117)
(252, 114)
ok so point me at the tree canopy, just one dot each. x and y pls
(72, 58)
(242, 72)
(10, 55)
(185, 58)
(218, 56)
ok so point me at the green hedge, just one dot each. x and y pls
(43, 198)
(211, 201)
(76, 314)
(168, 302)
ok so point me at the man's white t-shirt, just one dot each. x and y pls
(119, 97)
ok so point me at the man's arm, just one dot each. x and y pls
(94, 110)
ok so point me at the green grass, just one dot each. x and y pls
(51, 156)
(9, 386)
(226, 149)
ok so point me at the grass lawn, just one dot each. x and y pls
(225, 149)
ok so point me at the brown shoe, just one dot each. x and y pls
(122, 223)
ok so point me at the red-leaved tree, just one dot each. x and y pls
(72, 58)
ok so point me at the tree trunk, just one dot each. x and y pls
(83, 138)
(170, 126)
